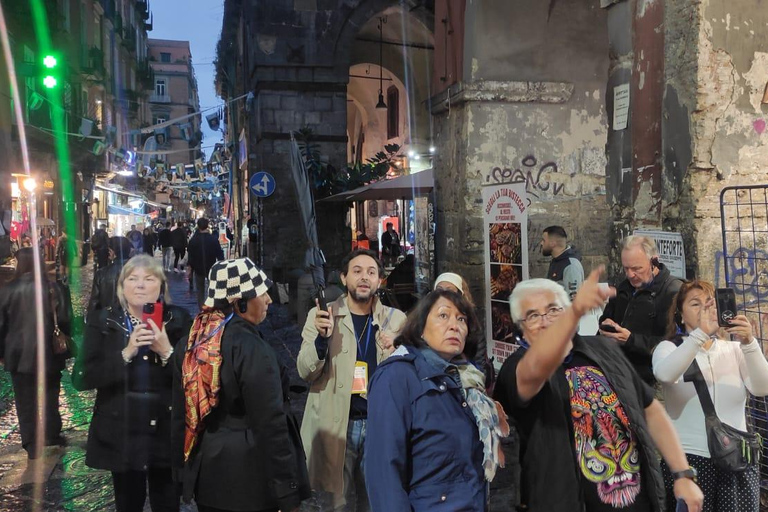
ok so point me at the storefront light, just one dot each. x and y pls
(30, 184)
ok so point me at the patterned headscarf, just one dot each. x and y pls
(489, 416)
(201, 373)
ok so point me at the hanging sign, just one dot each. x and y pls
(505, 222)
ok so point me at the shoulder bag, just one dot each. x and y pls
(729, 448)
(61, 343)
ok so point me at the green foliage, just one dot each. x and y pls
(328, 180)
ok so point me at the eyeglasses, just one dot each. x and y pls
(537, 318)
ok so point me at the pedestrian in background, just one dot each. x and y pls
(104, 286)
(126, 361)
(179, 244)
(732, 371)
(19, 349)
(100, 247)
(166, 245)
(239, 446)
(434, 436)
(137, 239)
(148, 241)
(204, 250)
(565, 267)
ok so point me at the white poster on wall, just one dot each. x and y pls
(671, 249)
(505, 223)
(621, 107)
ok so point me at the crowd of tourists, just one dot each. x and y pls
(404, 411)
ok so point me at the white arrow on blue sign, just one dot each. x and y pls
(262, 184)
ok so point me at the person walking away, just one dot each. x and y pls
(148, 241)
(62, 259)
(100, 247)
(235, 439)
(390, 245)
(204, 250)
(565, 267)
(636, 318)
(340, 350)
(179, 244)
(428, 403)
(166, 245)
(732, 370)
(589, 426)
(125, 359)
(19, 349)
(136, 238)
(104, 287)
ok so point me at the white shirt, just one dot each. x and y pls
(730, 369)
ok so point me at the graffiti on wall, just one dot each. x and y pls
(536, 177)
(747, 273)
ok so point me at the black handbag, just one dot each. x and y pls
(729, 448)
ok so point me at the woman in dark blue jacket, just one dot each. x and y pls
(433, 437)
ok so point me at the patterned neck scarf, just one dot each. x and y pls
(201, 376)
(490, 418)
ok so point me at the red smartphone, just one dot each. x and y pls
(153, 310)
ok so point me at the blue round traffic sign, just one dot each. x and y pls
(262, 184)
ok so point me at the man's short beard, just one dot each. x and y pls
(546, 252)
(355, 297)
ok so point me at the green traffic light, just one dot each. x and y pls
(50, 61)
(50, 82)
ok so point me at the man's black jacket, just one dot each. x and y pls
(644, 313)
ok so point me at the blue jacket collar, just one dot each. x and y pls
(421, 359)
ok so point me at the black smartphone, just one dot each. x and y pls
(321, 300)
(682, 506)
(608, 328)
(725, 300)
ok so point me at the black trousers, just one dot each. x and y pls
(131, 490)
(178, 255)
(25, 396)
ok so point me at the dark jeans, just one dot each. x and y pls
(25, 396)
(178, 255)
(131, 490)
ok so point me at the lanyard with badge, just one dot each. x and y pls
(360, 377)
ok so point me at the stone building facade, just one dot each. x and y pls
(524, 91)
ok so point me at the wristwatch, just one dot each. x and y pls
(686, 473)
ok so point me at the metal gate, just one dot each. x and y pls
(744, 260)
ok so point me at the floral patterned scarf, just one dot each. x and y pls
(490, 418)
(201, 376)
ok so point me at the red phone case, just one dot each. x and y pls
(156, 316)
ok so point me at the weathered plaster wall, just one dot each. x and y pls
(534, 112)
(721, 71)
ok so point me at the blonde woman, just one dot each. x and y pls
(125, 359)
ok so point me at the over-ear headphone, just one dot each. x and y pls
(242, 305)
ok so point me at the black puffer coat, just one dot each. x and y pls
(104, 288)
(130, 429)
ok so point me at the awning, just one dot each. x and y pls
(404, 187)
(119, 192)
(119, 210)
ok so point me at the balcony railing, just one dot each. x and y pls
(159, 98)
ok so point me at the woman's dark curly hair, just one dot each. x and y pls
(411, 335)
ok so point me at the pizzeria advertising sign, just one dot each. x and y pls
(505, 215)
